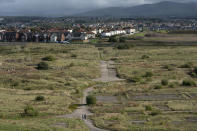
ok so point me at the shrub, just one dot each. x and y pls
(74, 55)
(135, 79)
(123, 46)
(122, 39)
(193, 73)
(43, 66)
(39, 98)
(71, 65)
(148, 74)
(195, 70)
(155, 113)
(169, 67)
(113, 39)
(158, 87)
(28, 88)
(164, 82)
(172, 85)
(90, 100)
(148, 108)
(30, 111)
(73, 107)
(188, 83)
(187, 65)
(145, 57)
(49, 58)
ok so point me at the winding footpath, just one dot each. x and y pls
(108, 74)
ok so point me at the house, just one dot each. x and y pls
(90, 35)
(22, 37)
(53, 38)
(106, 34)
(95, 31)
(1, 36)
(77, 36)
(10, 36)
(36, 37)
(130, 31)
(30, 37)
(57, 36)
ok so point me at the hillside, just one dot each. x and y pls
(162, 9)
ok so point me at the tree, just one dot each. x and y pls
(43, 66)
(122, 39)
(113, 39)
(91, 100)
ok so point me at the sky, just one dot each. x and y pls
(64, 7)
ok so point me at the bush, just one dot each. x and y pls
(155, 113)
(30, 111)
(123, 46)
(91, 100)
(39, 98)
(148, 74)
(113, 39)
(164, 82)
(122, 39)
(145, 57)
(193, 73)
(195, 70)
(158, 87)
(74, 55)
(135, 79)
(188, 83)
(73, 107)
(169, 67)
(187, 65)
(172, 85)
(43, 66)
(148, 108)
(49, 58)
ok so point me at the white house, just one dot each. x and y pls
(53, 38)
(95, 31)
(106, 34)
(130, 31)
(77, 36)
(90, 35)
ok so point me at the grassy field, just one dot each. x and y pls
(154, 95)
(70, 71)
(159, 91)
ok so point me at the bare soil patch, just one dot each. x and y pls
(156, 97)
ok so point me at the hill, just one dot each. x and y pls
(162, 9)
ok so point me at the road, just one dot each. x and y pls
(108, 74)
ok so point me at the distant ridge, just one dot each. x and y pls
(162, 9)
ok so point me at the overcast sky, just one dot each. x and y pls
(64, 7)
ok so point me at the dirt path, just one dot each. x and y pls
(108, 74)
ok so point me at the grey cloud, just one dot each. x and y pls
(63, 7)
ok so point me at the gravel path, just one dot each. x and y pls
(108, 74)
